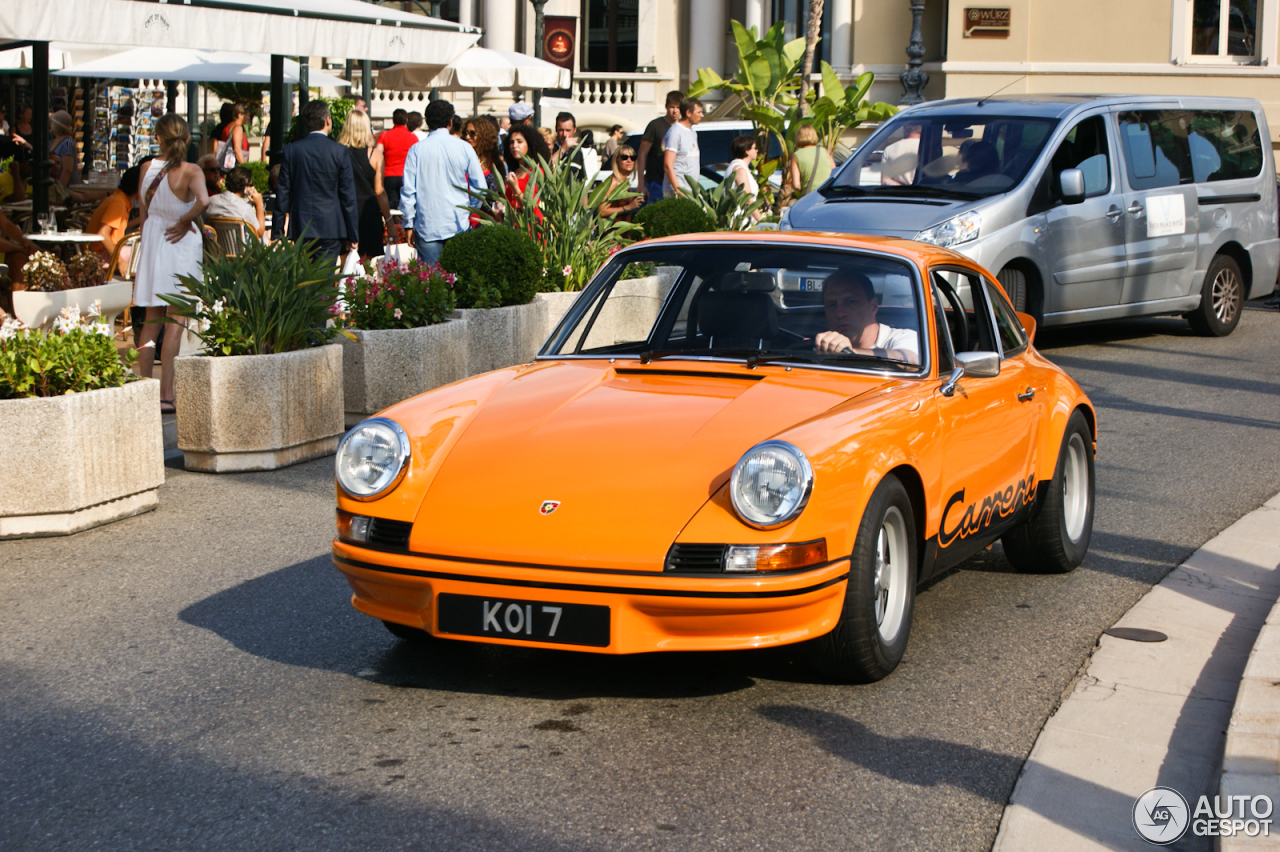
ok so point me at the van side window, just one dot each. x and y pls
(1156, 149)
(1224, 146)
(1084, 148)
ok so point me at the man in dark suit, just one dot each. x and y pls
(316, 188)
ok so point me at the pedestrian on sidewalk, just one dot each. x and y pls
(316, 189)
(438, 174)
(413, 121)
(394, 145)
(651, 150)
(681, 158)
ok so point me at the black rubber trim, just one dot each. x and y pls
(1229, 199)
(578, 587)
(539, 566)
(641, 371)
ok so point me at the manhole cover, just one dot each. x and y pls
(1136, 634)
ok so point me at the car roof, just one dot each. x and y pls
(1057, 106)
(917, 252)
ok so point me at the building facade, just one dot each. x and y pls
(629, 53)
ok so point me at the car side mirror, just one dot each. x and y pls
(1028, 325)
(978, 365)
(1071, 182)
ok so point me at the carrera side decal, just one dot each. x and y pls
(957, 526)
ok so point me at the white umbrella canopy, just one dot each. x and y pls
(204, 66)
(19, 58)
(477, 68)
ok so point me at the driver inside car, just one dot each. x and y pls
(850, 302)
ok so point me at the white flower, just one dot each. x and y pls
(544, 272)
(102, 328)
(218, 306)
(397, 313)
(150, 344)
(567, 271)
(10, 328)
(95, 310)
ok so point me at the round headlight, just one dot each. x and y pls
(372, 458)
(771, 484)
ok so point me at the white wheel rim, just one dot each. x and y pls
(1226, 296)
(891, 574)
(1075, 487)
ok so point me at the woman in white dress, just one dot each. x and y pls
(744, 151)
(173, 195)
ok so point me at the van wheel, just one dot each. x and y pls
(871, 636)
(1221, 299)
(1056, 538)
(1014, 282)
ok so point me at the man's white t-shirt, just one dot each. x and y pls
(900, 160)
(898, 338)
(684, 142)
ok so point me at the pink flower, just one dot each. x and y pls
(397, 314)
(567, 271)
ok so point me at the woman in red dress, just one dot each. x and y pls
(523, 147)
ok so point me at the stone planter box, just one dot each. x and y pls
(40, 309)
(558, 304)
(258, 412)
(390, 365)
(81, 460)
(501, 337)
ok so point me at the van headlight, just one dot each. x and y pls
(954, 231)
(771, 484)
(372, 458)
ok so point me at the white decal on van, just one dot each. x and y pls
(1166, 214)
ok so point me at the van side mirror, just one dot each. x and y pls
(979, 365)
(1071, 182)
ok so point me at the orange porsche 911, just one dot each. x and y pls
(730, 441)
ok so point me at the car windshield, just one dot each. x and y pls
(945, 156)
(780, 303)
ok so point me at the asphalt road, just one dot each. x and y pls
(196, 678)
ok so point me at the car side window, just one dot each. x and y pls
(946, 354)
(971, 332)
(1084, 148)
(1156, 150)
(1013, 338)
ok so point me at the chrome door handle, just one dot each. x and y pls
(1114, 213)
(1028, 396)
(1136, 209)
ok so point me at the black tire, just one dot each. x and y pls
(1221, 299)
(416, 635)
(858, 650)
(1014, 282)
(1055, 539)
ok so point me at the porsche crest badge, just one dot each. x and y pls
(548, 506)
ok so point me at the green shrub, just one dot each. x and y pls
(495, 266)
(79, 356)
(272, 298)
(261, 175)
(395, 295)
(672, 216)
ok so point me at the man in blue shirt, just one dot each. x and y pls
(437, 173)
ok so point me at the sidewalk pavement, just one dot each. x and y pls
(1158, 714)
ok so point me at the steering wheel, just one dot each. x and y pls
(962, 326)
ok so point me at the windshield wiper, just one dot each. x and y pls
(754, 357)
(911, 189)
(646, 357)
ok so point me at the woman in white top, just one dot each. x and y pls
(744, 151)
(173, 195)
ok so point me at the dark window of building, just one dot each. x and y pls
(610, 33)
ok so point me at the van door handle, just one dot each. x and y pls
(1028, 396)
(1114, 213)
(1136, 209)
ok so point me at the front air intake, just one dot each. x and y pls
(695, 558)
(385, 533)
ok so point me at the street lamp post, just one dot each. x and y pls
(539, 31)
(914, 79)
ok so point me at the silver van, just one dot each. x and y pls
(1087, 208)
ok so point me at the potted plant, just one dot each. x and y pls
(497, 271)
(83, 441)
(79, 283)
(405, 342)
(267, 390)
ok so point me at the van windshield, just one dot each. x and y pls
(945, 156)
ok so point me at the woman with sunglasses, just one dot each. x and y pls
(482, 132)
(624, 169)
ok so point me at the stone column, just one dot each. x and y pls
(466, 12)
(646, 37)
(708, 20)
(755, 16)
(500, 24)
(842, 35)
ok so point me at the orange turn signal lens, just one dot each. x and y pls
(353, 527)
(739, 559)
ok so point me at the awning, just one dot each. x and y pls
(19, 59)
(202, 66)
(477, 68)
(348, 29)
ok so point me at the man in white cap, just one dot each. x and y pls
(520, 112)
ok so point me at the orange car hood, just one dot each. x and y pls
(630, 455)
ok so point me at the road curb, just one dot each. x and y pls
(1156, 714)
(1251, 757)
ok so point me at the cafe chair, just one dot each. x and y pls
(231, 233)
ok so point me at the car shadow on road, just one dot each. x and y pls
(302, 616)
